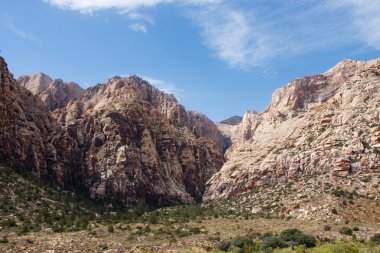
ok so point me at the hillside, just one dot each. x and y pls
(38, 217)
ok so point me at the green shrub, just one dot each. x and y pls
(111, 229)
(272, 243)
(345, 231)
(298, 237)
(375, 239)
(267, 234)
(224, 245)
(241, 242)
(8, 223)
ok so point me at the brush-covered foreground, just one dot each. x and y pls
(36, 217)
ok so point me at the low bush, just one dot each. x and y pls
(272, 242)
(297, 237)
(345, 231)
(375, 239)
(327, 228)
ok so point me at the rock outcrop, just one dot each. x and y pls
(229, 128)
(323, 124)
(29, 136)
(138, 144)
(36, 83)
(123, 141)
(54, 93)
(59, 93)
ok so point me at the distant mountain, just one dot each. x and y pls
(234, 120)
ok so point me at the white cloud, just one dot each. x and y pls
(233, 36)
(11, 25)
(251, 33)
(140, 16)
(89, 6)
(366, 18)
(164, 86)
(138, 27)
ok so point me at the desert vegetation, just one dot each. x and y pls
(38, 210)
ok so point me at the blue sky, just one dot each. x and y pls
(220, 57)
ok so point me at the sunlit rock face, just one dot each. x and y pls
(314, 125)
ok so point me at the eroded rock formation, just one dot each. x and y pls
(323, 124)
(124, 140)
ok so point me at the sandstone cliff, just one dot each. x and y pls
(36, 83)
(122, 141)
(54, 93)
(58, 94)
(325, 124)
(139, 145)
(30, 137)
(229, 128)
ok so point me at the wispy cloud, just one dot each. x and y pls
(140, 16)
(88, 6)
(10, 23)
(246, 34)
(365, 16)
(233, 36)
(164, 86)
(138, 27)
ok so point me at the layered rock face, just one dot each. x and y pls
(24, 119)
(138, 144)
(123, 140)
(323, 124)
(29, 136)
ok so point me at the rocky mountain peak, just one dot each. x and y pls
(322, 124)
(36, 83)
(303, 92)
(58, 94)
(122, 141)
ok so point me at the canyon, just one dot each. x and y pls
(125, 141)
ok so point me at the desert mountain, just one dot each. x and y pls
(36, 83)
(318, 125)
(54, 93)
(122, 141)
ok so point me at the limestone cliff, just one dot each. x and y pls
(323, 124)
